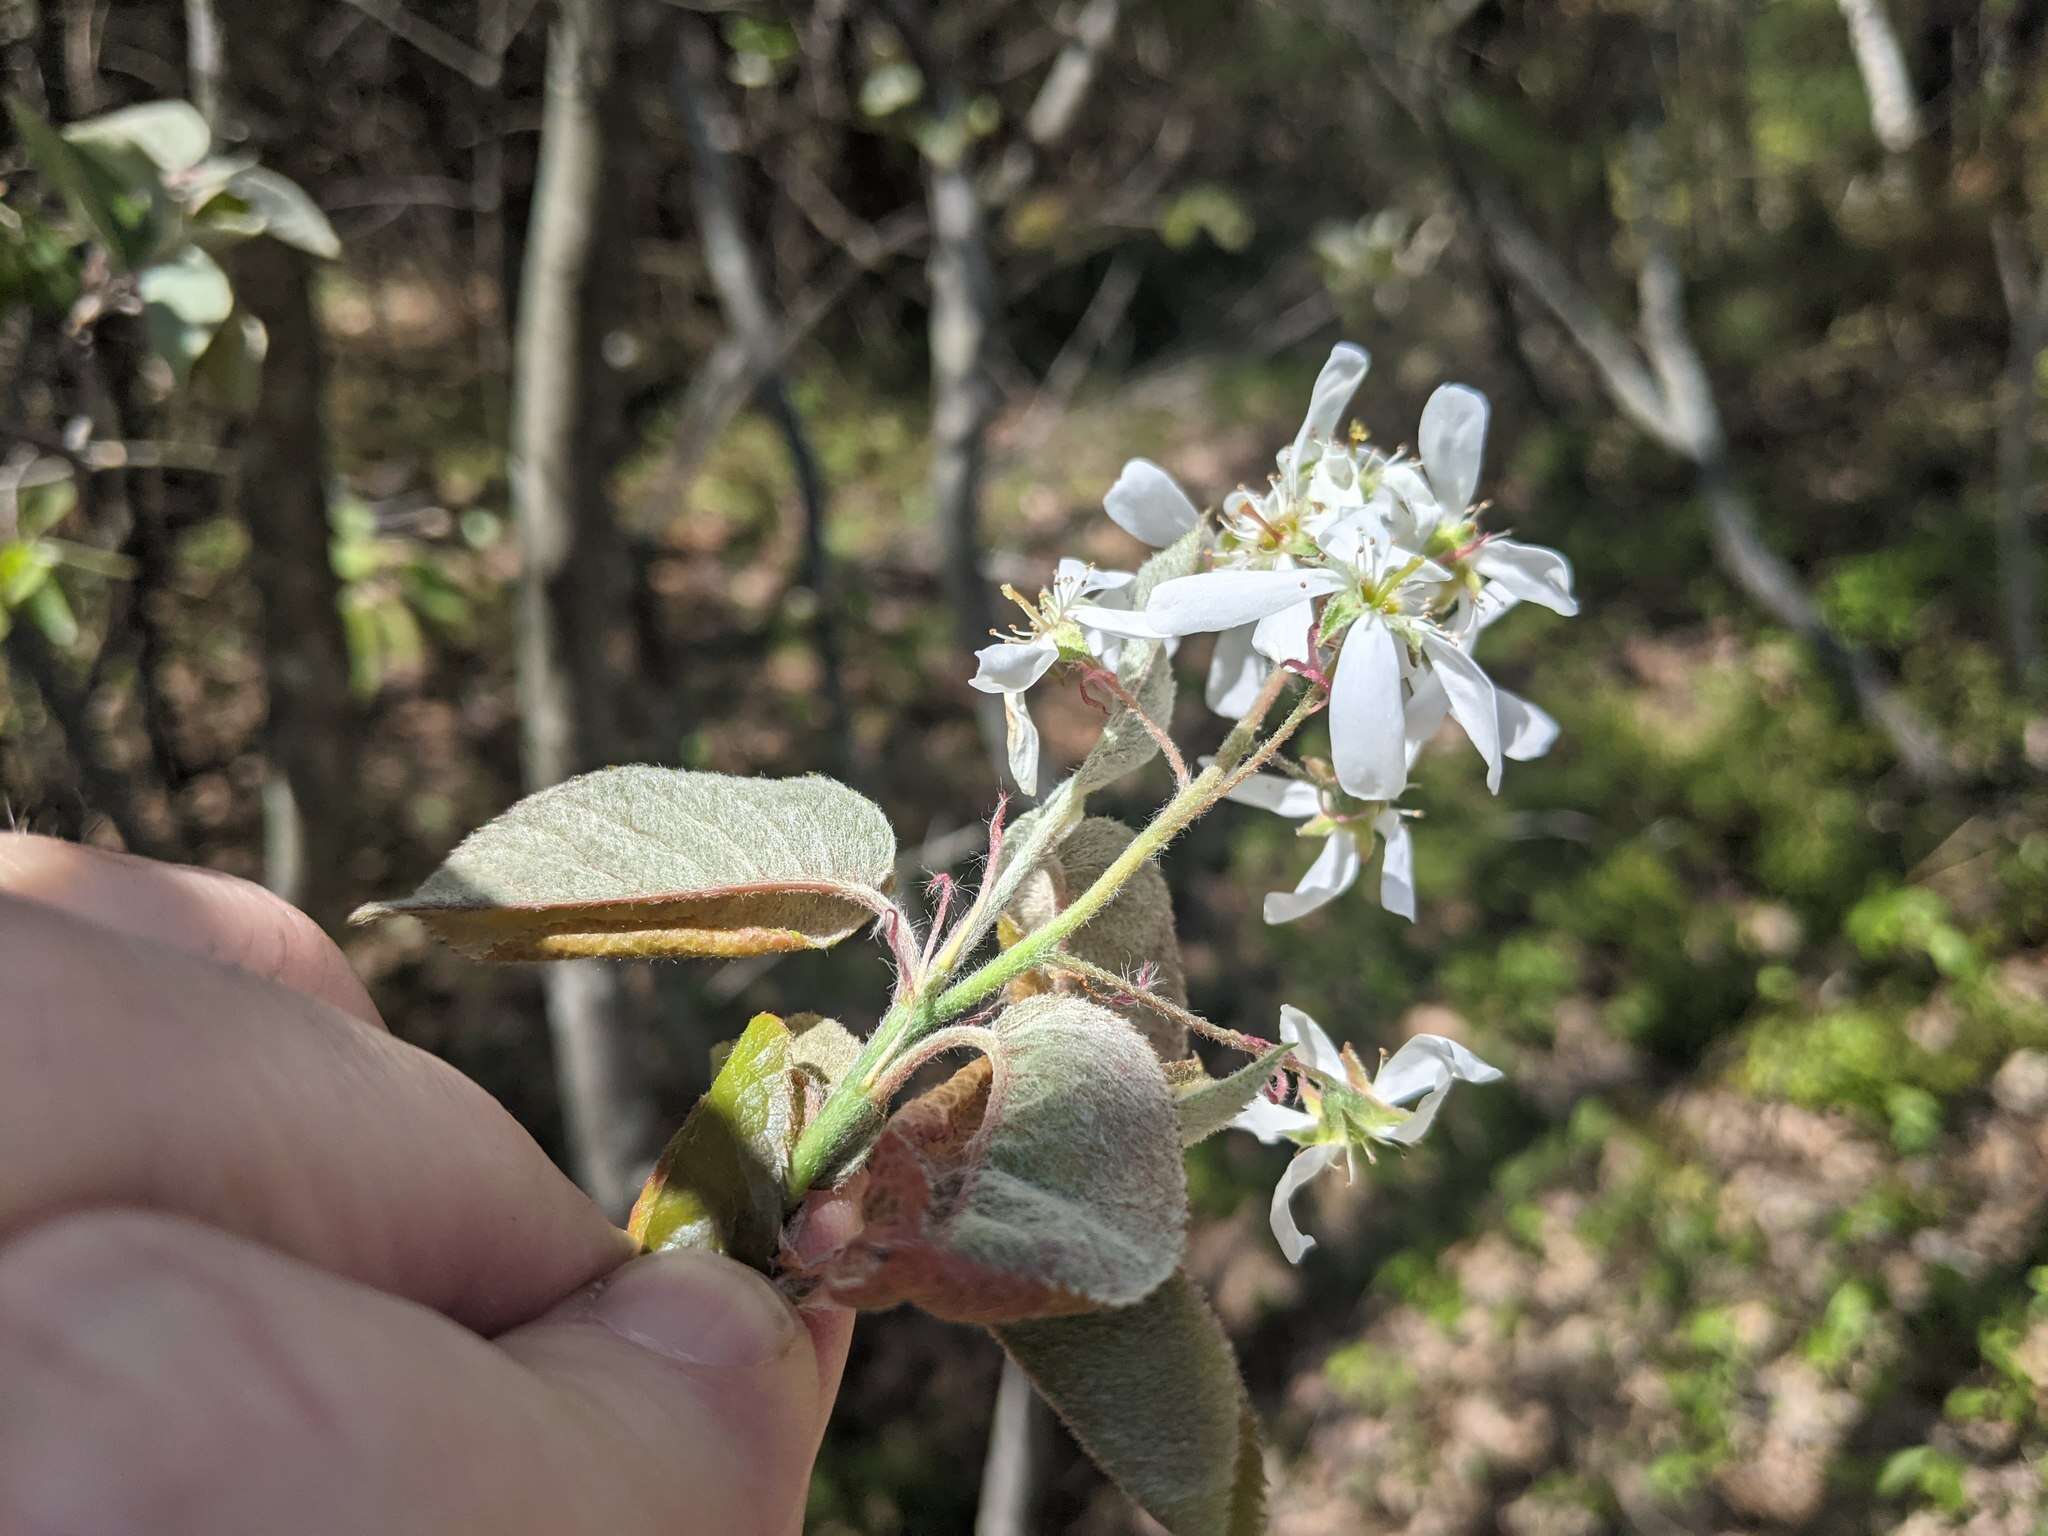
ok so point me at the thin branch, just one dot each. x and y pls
(1894, 107)
(2026, 296)
(480, 69)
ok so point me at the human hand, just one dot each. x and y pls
(264, 1267)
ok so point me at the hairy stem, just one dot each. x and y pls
(856, 1108)
(1109, 982)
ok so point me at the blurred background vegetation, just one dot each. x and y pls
(775, 335)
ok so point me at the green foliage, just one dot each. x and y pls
(138, 185)
(1375, 1380)
(1926, 1475)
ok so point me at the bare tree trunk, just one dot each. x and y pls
(1010, 1473)
(2026, 300)
(281, 491)
(1894, 106)
(571, 589)
(963, 314)
(743, 296)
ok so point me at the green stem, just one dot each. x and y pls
(852, 1113)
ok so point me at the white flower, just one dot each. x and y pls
(1526, 730)
(1336, 868)
(1316, 479)
(1437, 497)
(1347, 1112)
(1058, 624)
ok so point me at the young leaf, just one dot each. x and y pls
(1207, 1104)
(285, 212)
(644, 862)
(1133, 931)
(1147, 672)
(171, 134)
(1041, 1180)
(1152, 1393)
(185, 298)
(720, 1180)
(80, 183)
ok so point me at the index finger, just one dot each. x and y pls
(137, 1074)
(201, 911)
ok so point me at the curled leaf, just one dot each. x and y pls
(643, 862)
(1153, 1394)
(1042, 1179)
(719, 1182)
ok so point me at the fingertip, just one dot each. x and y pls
(203, 912)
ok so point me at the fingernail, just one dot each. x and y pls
(697, 1308)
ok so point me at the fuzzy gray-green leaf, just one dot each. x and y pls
(1207, 1104)
(1043, 1179)
(649, 862)
(1153, 1394)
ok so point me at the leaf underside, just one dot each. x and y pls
(1040, 1180)
(1152, 1393)
(641, 862)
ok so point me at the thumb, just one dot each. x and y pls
(694, 1377)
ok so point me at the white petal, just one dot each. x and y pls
(1425, 1068)
(1308, 1162)
(1397, 864)
(1011, 667)
(1147, 505)
(1366, 737)
(1023, 742)
(1085, 580)
(1530, 572)
(1452, 438)
(1190, 605)
(1293, 798)
(1270, 1122)
(1236, 673)
(1335, 386)
(1114, 620)
(1411, 493)
(1471, 696)
(1526, 732)
(1424, 714)
(1332, 874)
(1310, 1042)
(1284, 636)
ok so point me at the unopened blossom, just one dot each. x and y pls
(1057, 627)
(1336, 868)
(1343, 1111)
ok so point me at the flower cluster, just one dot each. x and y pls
(1367, 571)
(1372, 576)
